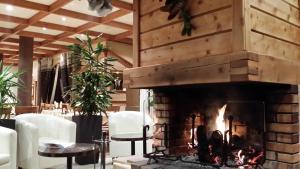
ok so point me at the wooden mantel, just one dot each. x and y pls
(235, 67)
(235, 41)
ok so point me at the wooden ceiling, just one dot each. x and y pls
(55, 23)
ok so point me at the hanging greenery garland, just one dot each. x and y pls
(178, 7)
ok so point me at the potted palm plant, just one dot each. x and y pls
(92, 81)
(8, 98)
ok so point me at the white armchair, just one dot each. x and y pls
(36, 129)
(8, 148)
(126, 122)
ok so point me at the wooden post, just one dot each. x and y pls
(1, 60)
(25, 65)
(133, 95)
(136, 33)
(38, 95)
(241, 28)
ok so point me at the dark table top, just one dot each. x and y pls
(78, 149)
(129, 137)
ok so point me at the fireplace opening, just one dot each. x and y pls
(232, 136)
(218, 125)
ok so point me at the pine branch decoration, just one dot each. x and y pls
(178, 7)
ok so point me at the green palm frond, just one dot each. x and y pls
(91, 88)
(8, 80)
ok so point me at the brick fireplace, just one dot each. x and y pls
(241, 51)
(176, 105)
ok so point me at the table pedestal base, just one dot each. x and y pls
(132, 147)
(69, 162)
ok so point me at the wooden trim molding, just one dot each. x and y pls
(136, 33)
(226, 68)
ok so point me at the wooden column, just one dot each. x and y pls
(38, 95)
(1, 60)
(133, 95)
(25, 65)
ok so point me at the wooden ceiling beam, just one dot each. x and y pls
(85, 27)
(7, 18)
(114, 15)
(70, 40)
(68, 13)
(78, 15)
(13, 40)
(120, 25)
(57, 46)
(92, 33)
(16, 47)
(5, 30)
(10, 52)
(121, 60)
(56, 9)
(64, 36)
(43, 12)
(26, 4)
(127, 41)
(15, 52)
(19, 28)
(123, 35)
(7, 56)
(7, 46)
(45, 51)
(58, 4)
(95, 19)
(37, 35)
(54, 26)
(122, 5)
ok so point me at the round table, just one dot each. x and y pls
(132, 137)
(78, 149)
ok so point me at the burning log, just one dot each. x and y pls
(216, 147)
(203, 153)
(250, 156)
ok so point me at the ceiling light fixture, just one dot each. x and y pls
(63, 18)
(44, 28)
(9, 8)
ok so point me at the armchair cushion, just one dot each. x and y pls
(125, 122)
(8, 148)
(4, 159)
(36, 129)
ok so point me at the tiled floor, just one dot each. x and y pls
(91, 166)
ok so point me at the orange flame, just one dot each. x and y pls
(220, 122)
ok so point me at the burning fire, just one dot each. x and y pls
(220, 122)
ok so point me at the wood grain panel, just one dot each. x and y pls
(211, 45)
(266, 45)
(205, 74)
(150, 5)
(275, 27)
(206, 24)
(233, 67)
(279, 9)
(277, 70)
(293, 2)
(158, 19)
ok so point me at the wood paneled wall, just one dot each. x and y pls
(267, 27)
(275, 28)
(161, 41)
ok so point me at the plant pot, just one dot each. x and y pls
(89, 128)
(8, 123)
